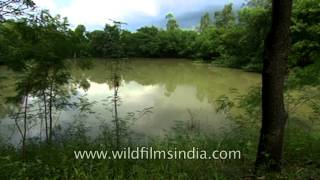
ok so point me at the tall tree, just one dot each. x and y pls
(112, 44)
(225, 17)
(274, 72)
(79, 41)
(204, 22)
(171, 22)
(96, 43)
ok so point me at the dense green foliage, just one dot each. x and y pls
(229, 38)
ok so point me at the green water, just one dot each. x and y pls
(177, 90)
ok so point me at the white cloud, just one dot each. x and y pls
(97, 12)
(46, 4)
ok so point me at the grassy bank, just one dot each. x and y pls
(57, 161)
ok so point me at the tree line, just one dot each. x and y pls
(226, 37)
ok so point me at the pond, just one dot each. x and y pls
(171, 90)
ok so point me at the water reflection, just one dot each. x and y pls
(178, 90)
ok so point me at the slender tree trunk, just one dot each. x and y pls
(50, 111)
(45, 113)
(273, 75)
(41, 120)
(116, 112)
(25, 126)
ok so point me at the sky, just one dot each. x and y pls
(94, 14)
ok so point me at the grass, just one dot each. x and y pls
(301, 158)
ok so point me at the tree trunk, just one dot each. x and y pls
(50, 111)
(45, 113)
(116, 119)
(273, 75)
(25, 126)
